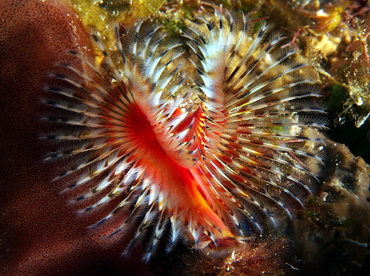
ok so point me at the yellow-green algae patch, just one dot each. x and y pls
(101, 14)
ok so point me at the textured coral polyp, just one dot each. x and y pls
(267, 257)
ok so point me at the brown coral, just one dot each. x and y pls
(39, 235)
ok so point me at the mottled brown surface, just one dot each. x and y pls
(39, 233)
(331, 238)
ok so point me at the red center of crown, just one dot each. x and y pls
(145, 131)
(185, 189)
(141, 134)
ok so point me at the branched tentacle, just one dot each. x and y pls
(215, 143)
